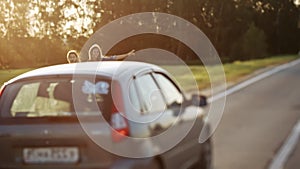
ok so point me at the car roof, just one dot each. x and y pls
(104, 68)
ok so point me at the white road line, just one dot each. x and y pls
(252, 80)
(285, 151)
(281, 157)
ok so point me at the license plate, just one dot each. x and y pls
(51, 155)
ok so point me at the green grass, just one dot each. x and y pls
(234, 71)
(5, 75)
(239, 69)
(191, 77)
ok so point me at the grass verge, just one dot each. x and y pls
(234, 71)
(195, 76)
(5, 75)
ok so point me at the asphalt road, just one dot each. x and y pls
(257, 120)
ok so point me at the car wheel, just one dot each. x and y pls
(156, 164)
(153, 164)
(205, 157)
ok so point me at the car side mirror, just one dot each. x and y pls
(199, 100)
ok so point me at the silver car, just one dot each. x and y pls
(100, 115)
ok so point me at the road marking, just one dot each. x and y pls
(285, 151)
(281, 157)
(252, 80)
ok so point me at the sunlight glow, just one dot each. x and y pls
(72, 18)
(71, 11)
(3, 30)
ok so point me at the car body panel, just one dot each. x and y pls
(21, 134)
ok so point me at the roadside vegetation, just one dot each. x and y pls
(188, 77)
(35, 34)
(5, 74)
(234, 71)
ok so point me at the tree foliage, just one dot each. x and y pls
(39, 32)
(251, 45)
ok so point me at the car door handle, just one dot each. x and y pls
(158, 127)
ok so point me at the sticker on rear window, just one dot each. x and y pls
(98, 88)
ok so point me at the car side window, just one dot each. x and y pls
(133, 97)
(151, 97)
(170, 91)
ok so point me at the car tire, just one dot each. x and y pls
(154, 164)
(205, 157)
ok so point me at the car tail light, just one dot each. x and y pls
(2, 89)
(119, 123)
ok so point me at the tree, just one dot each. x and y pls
(278, 19)
(251, 45)
(55, 26)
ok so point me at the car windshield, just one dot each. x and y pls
(57, 97)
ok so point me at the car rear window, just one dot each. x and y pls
(56, 97)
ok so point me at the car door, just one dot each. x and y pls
(152, 105)
(185, 152)
(161, 112)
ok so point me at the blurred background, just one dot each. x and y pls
(251, 37)
(37, 33)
